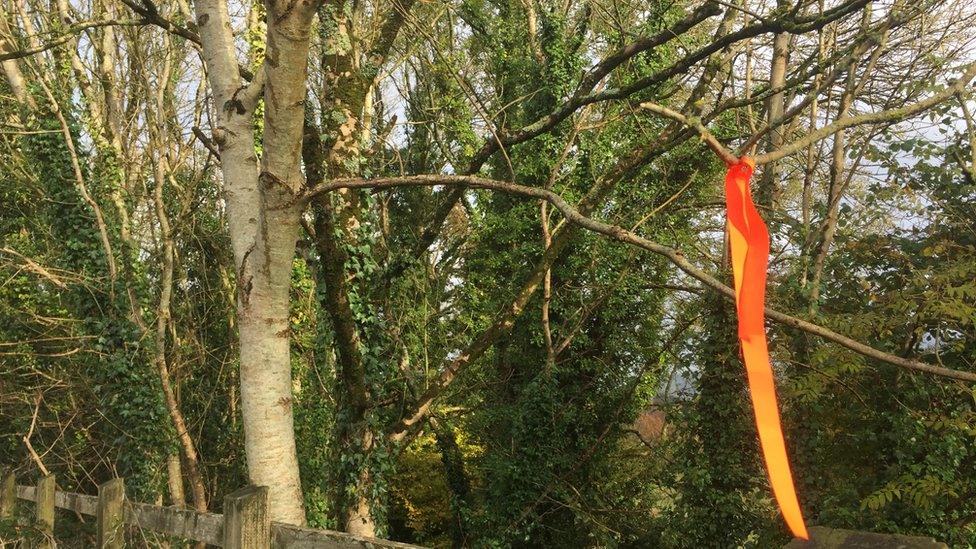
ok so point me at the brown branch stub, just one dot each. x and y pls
(206, 141)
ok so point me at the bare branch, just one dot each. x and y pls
(30, 433)
(695, 124)
(889, 115)
(69, 33)
(150, 12)
(622, 235)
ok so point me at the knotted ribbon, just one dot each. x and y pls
(749, 243)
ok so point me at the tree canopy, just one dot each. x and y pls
(455, 272)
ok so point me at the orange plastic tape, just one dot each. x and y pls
(749, 242)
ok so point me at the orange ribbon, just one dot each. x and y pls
(749, 242)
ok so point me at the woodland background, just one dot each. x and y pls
(461, 366)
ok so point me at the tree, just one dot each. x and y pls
(479, 235)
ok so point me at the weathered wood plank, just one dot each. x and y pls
(830, 538)
(285, 536)
(209, 527)
(44, 511)
(247, 524)
(8, 493)
(79, 503)
(111, 514)
(176, 521)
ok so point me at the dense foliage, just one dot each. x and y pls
(544, 347)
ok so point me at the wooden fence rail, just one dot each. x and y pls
(245, 523)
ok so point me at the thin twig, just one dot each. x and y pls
(30, 432)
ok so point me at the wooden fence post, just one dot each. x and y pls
(247, 524)
(8, 493)
(44, 510)
(110, 514)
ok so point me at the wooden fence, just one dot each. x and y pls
(245, 523)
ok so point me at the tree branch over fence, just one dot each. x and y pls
(620, 234)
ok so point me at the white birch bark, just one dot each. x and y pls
(263, 218)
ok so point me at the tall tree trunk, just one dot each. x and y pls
(263, 213)
(12, 72)
(769, 184)
(834, 194)
(838, 184)
(813, 158)
(335, 225)
(352, 431)
(337, 221)
(163, 314)
(174, 480)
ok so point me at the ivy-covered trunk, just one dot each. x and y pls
(353, 438)
(720, 452)
(343, 252)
